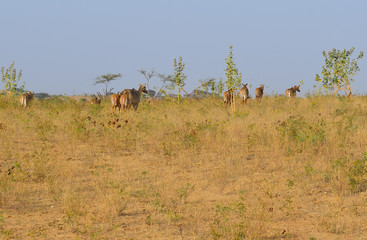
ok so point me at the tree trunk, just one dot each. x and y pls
(349, 91)
(233, 104)
(337, 90)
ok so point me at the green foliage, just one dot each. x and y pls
(300, 132)
(11, 80)
(338, 70)
(78, 127)
(230, 222)
(8, 102)
(219, 87)
(189, 138)
(208, 84)
(290, 183)
(233, 77)
(167, 207)
(45, 129)
(309, 169)
(179, 76)
(184, 191)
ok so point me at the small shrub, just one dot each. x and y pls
(301, 133)
(184, 191)
(230, 222)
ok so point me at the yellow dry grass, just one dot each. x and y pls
(279, 168)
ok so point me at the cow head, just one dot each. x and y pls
(142, 88)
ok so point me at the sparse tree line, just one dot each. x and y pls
(337, 75)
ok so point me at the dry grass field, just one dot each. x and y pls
(276, 169)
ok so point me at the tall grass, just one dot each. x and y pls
(279, 168)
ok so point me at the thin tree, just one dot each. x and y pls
(208, 84)
(219, 87)
(339, 70)
(147, 75)
(106, 79)
(11, 80)
(179, 76)
(233, 77)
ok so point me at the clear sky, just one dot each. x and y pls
(62, 45)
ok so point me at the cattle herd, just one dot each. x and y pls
(259, 92)
(127, 98)
(131, 97)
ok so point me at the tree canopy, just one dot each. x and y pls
(11, 80)
(106, 79)
(339, 70)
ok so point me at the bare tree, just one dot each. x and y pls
(147, 75)
(167, 83)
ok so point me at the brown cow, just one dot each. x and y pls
(227, 97)
(291, 92)
(244, 93)
(26, 98)
(259, 92)
(115, 102)
(123, 99)
(131, 97)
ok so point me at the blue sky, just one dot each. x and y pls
(62, 45)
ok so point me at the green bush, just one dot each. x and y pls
(300, 132)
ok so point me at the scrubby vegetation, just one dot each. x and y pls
(279, 168)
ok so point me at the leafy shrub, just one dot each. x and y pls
(230, 222)
(301, 133)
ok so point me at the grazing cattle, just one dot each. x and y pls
(291, 92)
(115, 102)
(95, 100)
(227, 97)
(131, 97)
(244, 93)
(259, 92)
(26, 98)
